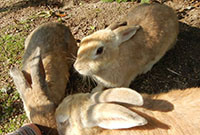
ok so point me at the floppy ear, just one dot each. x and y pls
(112, 116)
(124, 33)
(119, 95)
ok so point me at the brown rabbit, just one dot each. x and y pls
(116, 55)
(57, 46)
(42, 82)
(108, 113)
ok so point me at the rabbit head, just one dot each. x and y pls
(100, 50)
(35, 93)
(89, 113)
(114, 56)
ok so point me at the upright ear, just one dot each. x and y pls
(20, 81)
(119, 95)
(124, 33)
(112, 116)
(37, 69)
(116, 25)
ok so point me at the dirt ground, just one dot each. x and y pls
(178, 69)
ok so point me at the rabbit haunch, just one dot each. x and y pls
(101, 113)
(116, 55)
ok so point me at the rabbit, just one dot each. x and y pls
(122, 111)
(45, 72)
(114, 56)
(58, 46)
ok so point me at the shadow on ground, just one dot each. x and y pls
(24, 4)
(178, 69)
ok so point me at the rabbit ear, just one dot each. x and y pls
(119, 95)
(112, 116)
(37, 68)
(61, 119)
(116, 25)
(20, 81)
(125, 33)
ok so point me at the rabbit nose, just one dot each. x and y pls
(81, 69)
(77, 66)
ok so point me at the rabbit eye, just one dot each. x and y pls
(99, 50)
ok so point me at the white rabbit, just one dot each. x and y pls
(118, 111)
(116, 55)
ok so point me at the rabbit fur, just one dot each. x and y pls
(121, 111)
(114, 56)
(45, 72)
(57, 46)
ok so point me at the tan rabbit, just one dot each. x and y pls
(45, 74)
(108, 113)
(116, 55)
(57, 46)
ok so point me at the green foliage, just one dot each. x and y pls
(10, 116)
(92, 27)
(11, 47)
(11, 50)
(45, 14)
(145, 1)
